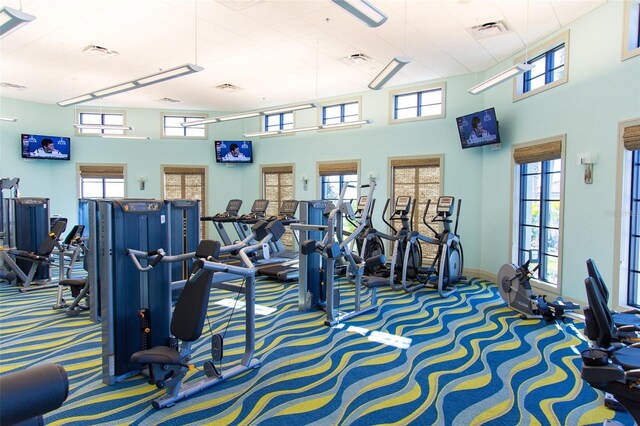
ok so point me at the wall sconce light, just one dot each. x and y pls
(373, 176)
(142, 182)
(305, 182)
(587, 159)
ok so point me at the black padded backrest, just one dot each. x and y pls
(208, 248)
(606, 330)
(75, 232)
(49, 242)
(594, 273)
(32, 392)
(191, 308)
(260, 229)
(276, 228)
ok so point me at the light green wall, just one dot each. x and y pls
(601, 91)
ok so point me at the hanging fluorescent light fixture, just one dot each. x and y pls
(101, 127)
(389, 71)
(12, 19)
(345, 124)
(238, 116)
(251, 114)
(307, 129)
(11, 119)
(289, 109)
(499, 78)
(134, 84)
(124, 137)
(364, 11)
(254, 134)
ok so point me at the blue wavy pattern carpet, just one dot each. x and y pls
(419, 359)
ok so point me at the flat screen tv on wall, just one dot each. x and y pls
(234, 152)
(46, 147)
(478, 129)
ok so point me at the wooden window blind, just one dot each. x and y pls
(187, 183)
(277, 184)
(102, 171)
(631, 138)
(418, 178)
(539, 152)
(341, 168)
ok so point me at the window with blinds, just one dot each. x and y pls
(187, 183)
(420, 179)
(101, 181)
(277, 186)
(539, 198)
(334, 176)
(631, 140)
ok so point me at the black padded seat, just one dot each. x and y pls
(620, 319)
(375, 281)
(158, 355)
(628, 358)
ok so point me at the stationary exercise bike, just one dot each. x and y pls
(515, 290)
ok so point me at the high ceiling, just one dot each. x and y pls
(275, 52)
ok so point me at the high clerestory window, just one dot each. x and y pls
(171, 126)
(425, 103)
(551, 67)
(547, 68)
(631, 32)
(341, 113)
(281, 121)
(101, 118)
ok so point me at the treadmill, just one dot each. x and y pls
(230, 215)
(287, 270)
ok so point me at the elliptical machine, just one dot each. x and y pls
(515, 290)
(446, 269)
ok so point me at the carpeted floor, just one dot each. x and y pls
(419, 359)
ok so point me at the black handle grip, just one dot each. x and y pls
(159, 255)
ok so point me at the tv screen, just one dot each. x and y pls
(47, 147)
(478, 129)
(234, 152)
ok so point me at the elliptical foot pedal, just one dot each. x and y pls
(216, 347)
(210, 370)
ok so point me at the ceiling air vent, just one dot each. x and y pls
(12, 86)
(227, 87)
(489, 29)
(93, 49)
(169, 100)
(358, 58)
